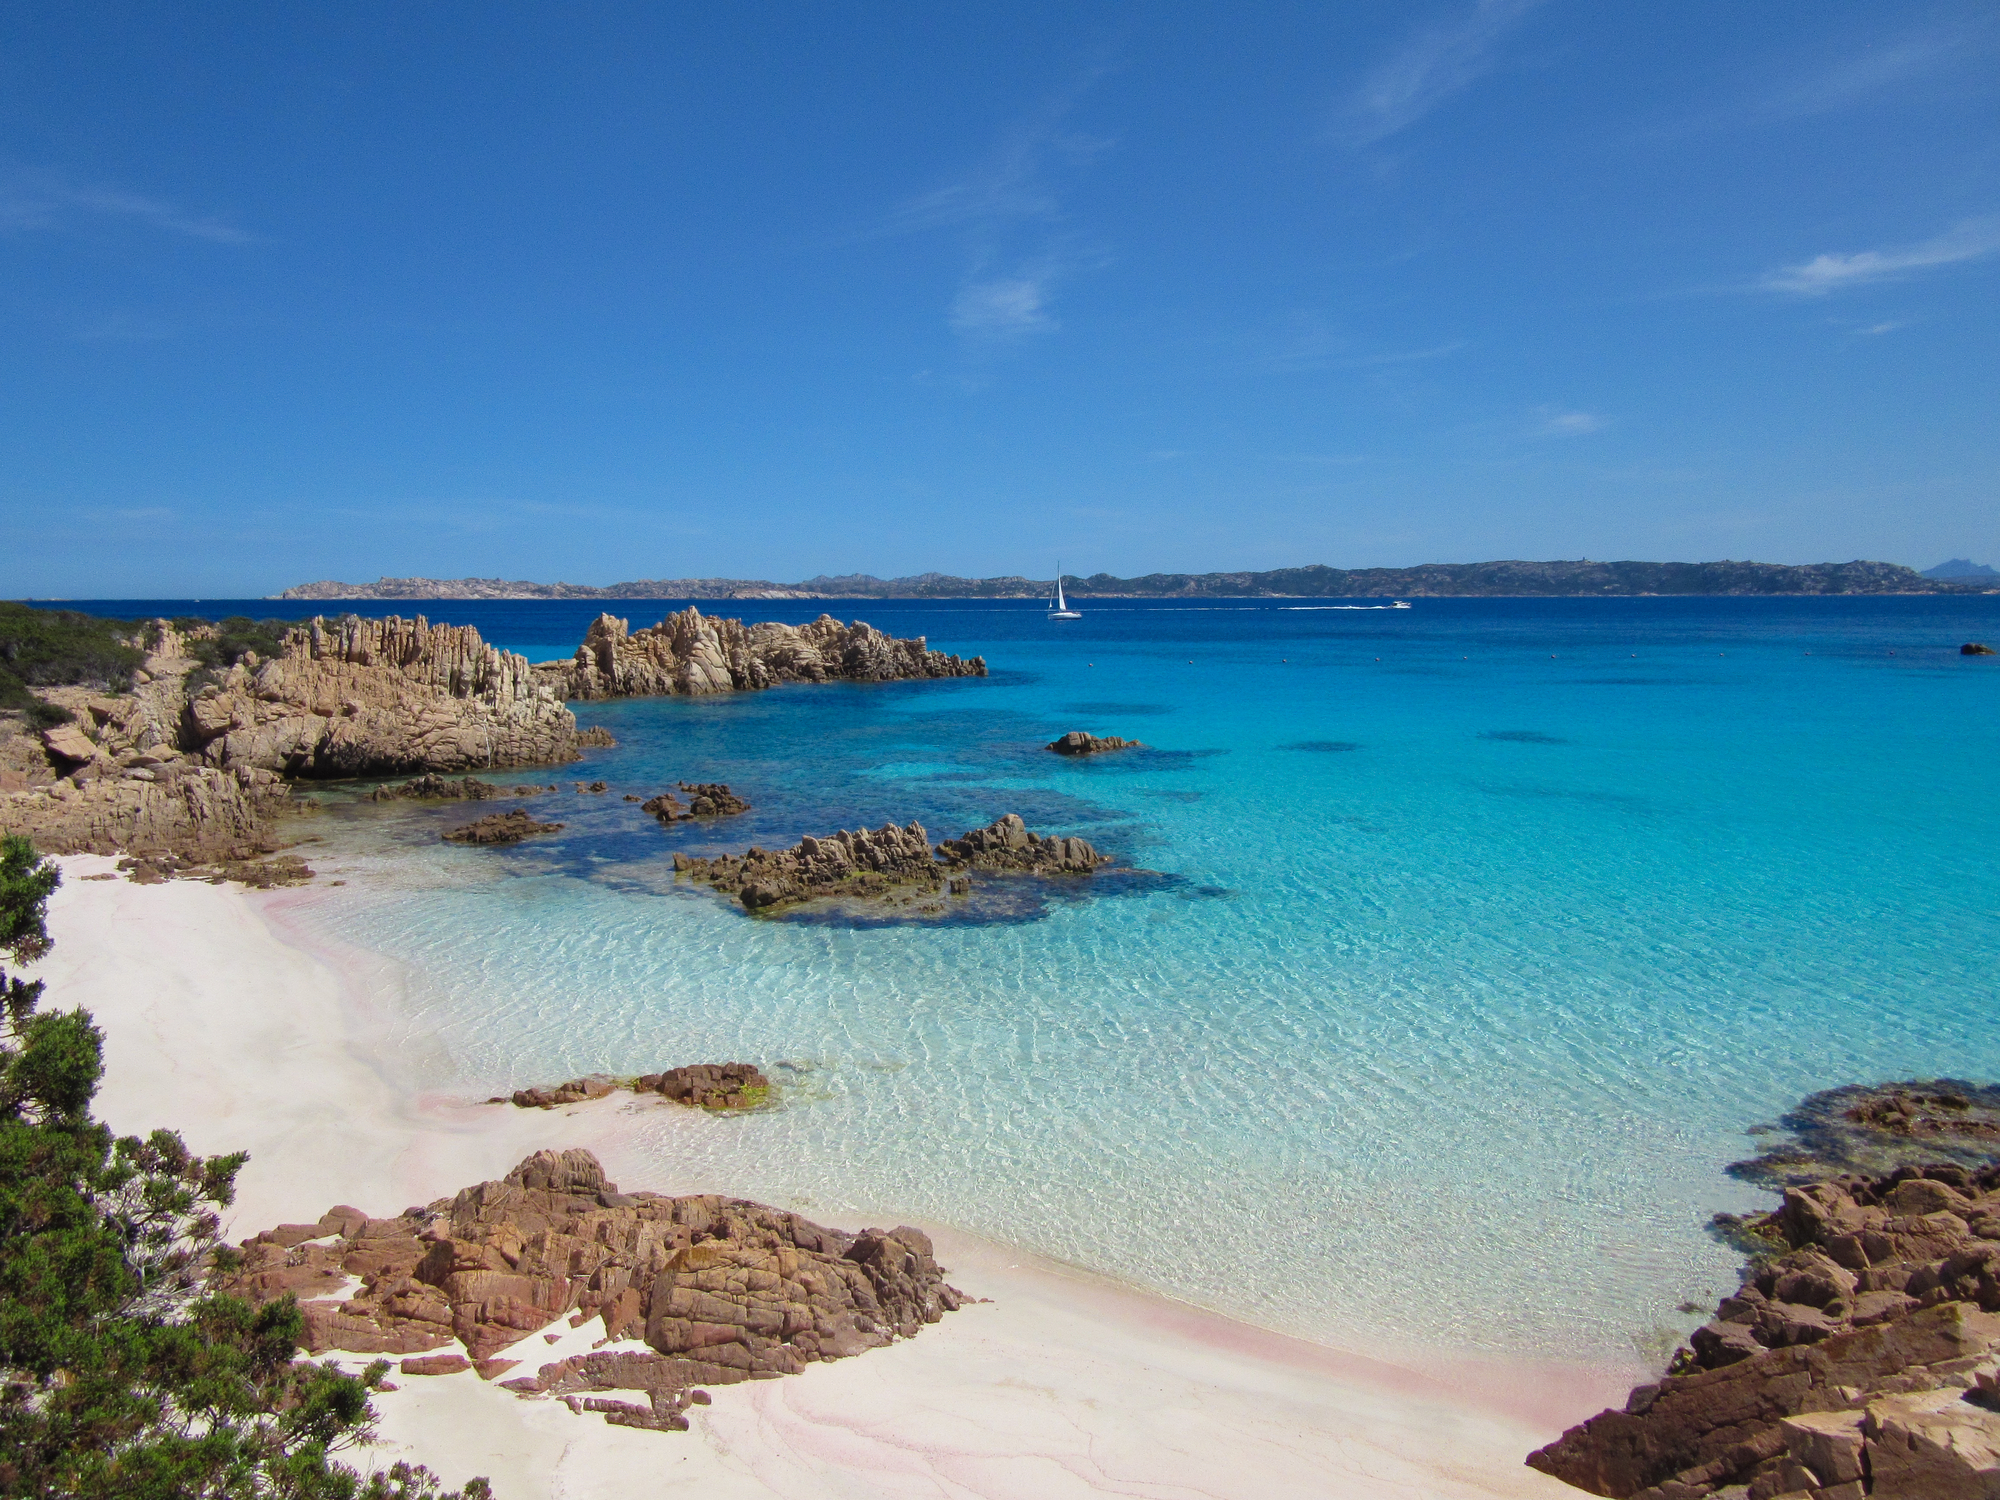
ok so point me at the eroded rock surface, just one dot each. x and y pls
(693, 653)
(499, 828)
(1076, 742)
(706, 799)
(355, 697)
(719, 1289)
(1855, 1359)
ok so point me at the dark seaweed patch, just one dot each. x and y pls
(1321, 747)
(1521, 737)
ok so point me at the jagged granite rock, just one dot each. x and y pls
(1008, 844)
(721, 1289)
(361, 697)
(1873, 1128)
(1975, 648)
(874, 863)
(1854, 1355)
(693, 653)
(1076, 742)
(499, 828)
(150, 806)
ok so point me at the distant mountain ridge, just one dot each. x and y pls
(1962, 567)
(1430, 580)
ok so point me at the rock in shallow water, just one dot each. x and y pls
(499, 828)
(1076, 742)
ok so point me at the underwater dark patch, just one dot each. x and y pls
(1321, 747)
(1521, 737)
(1123, 710)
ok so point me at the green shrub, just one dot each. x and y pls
(61, 648)
(238, 635)
(121, 1376)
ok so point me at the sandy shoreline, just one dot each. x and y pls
(219, 1022)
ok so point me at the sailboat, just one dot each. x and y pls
(1058, 607)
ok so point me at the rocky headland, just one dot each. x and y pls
(194, 753)
(695, 1291)
(1860, 1354)
(887, 864)
(692, 653)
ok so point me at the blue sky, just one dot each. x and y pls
(597, 292)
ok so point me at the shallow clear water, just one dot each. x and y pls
(1489, 926)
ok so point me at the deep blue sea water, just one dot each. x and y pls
(1482, 930)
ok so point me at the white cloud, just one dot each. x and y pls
(49, 201)
(1558, 423)
(1887, 327)
(1439, 62)
(1011, 218)
(1832, 272)
(1003, 307)
(1856, 79)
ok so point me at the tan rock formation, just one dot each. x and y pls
(723, 1290)
(871, 864)
(1861, 1359)
(693, 653)
(499, 828)
(160, 807)
(372, 697)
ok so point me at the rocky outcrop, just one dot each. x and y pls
(1007, 844)
(1076, 742)
(356, 697)
(730, 1085)
(693, 653)
(1975, 648)
(1857, 1357)
(144, 804)
(499, 828)
(719, 1289)
(432, 787)
(707, 799)
(872, 864)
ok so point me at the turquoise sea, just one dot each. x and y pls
(1480, 933)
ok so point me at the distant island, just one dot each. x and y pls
(1430, 580)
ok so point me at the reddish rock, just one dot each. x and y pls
(1076, 742)
(436, 1364)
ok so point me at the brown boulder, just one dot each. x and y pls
(499, 828)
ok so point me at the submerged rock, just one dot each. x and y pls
(722, 1290)
(1875, 1128)
(499, 828)
(431, 787)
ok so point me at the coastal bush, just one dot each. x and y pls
(234, 637)
(120, 1375)
(61, 648)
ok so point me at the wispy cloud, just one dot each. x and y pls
(1554, 422)
(1307, 342)
(1442, 60)
(1890, 326)
(1004, 306)
(1855, 79)
(1009, 210)
(43, 200)
(1836, 271)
